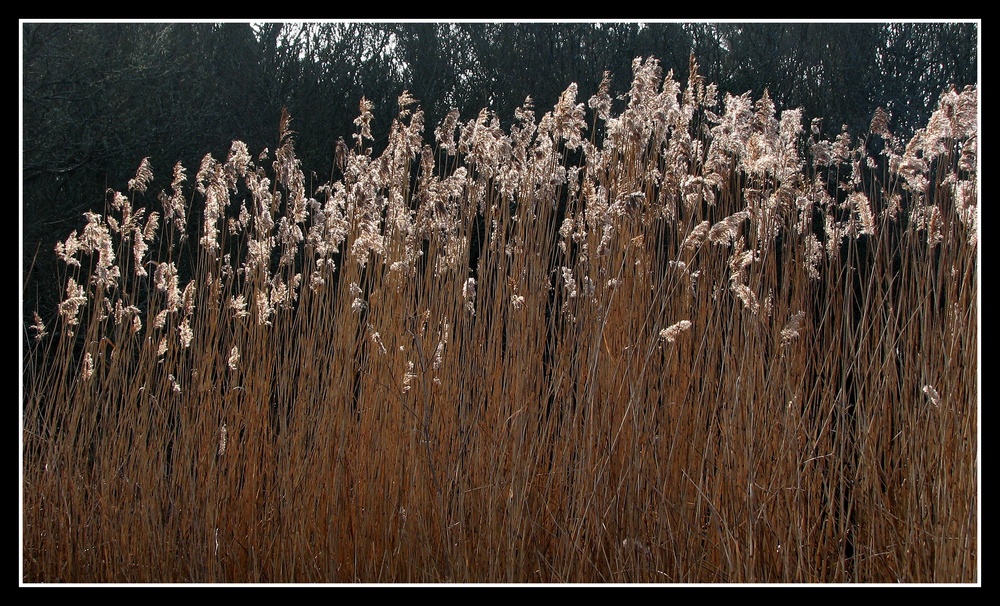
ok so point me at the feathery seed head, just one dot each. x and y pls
(671, 333)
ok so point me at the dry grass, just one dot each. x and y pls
(689, 343)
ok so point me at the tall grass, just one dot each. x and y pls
(692, 342)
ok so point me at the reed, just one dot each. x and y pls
(691, 342)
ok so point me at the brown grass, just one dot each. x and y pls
(696, 345)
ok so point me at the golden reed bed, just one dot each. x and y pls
(697, 341)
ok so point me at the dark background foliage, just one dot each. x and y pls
(99, 97)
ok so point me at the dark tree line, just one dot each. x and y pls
(99, 97)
